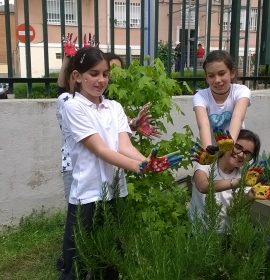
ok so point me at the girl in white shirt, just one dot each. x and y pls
(96, 131)
(223, 104)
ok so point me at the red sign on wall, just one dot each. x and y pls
(20, 33)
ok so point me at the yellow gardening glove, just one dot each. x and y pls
(261, 191)
(253, 174)
(224, 140)
(201, 155)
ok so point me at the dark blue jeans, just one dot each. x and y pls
(86, 215)
(69, 250)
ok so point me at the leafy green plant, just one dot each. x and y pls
(138, 249)
(38, 91)
(212, 208)
(134, 87)
(191, 86)
(149, 236)
(163, 50)
(137, 85)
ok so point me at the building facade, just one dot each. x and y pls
(72, 20)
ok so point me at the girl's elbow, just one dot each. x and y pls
(202, 188)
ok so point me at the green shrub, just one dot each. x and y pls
(148, 235)
(190, 87)
(38, 91)
(138, 249)
(134, 87)
(163, 49)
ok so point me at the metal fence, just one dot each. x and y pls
(235, 22)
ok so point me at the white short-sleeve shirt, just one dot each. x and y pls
(223, 198)
(220, 114)
(82, 118)
(66, 160)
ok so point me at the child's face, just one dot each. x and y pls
(219, 77)
(241, 153)
(94, 81)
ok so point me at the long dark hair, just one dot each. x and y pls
(85, 59)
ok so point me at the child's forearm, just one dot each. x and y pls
(235, 128)
(238, 117)
(133, 153)
(205, 136)
(120, 160)
(61, 76)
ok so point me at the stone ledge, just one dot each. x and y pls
(260, 211)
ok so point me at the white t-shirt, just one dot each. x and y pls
(223, 198)
(66, 160)
(220, 114)
(82, 118)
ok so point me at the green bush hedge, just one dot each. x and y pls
(189, 87)
(38, 91)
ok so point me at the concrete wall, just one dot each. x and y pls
(29, 158)
(30, 151)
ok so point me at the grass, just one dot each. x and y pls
(31, 250)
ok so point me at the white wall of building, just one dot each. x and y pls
(37, 57)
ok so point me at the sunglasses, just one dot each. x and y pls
(238, 149)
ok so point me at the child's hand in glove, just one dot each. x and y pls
(202, 156)
(90, 42)
(261, 191)
(69, 45)
(224, 140)
(142, 123)
(159, 164)
(253, 174)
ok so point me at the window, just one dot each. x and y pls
(120, 14)
(190, 16)
(252, 20)
(58, 55)
(226, 19)
(243, 19)
(53, 12)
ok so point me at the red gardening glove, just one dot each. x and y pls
(69, 45)
(159, 164)
(90, 42)
(142, 123)
(202, 156)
